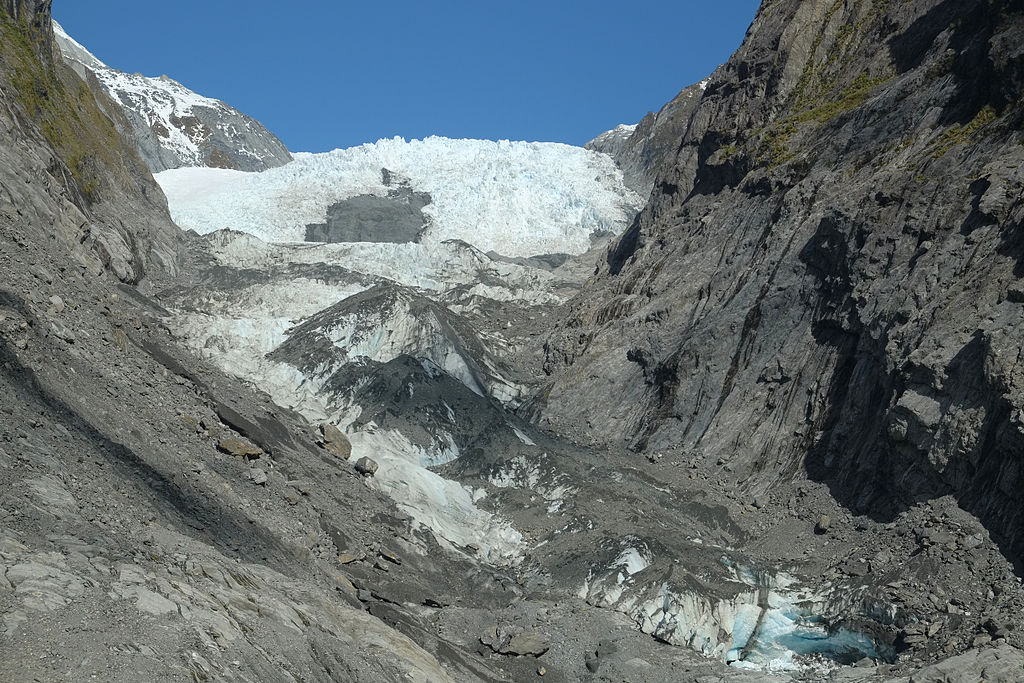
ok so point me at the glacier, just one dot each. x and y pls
(518, 199)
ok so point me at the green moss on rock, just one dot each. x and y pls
(63, 109)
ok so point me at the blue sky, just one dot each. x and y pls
(323, 74)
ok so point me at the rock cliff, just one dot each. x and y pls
(642, 150)
(826, 281)
(68, 172)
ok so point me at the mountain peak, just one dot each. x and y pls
(175, 127)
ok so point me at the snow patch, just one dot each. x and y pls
(523, 437)
(445, 507)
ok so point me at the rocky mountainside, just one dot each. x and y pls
(171, 126)
(824, 292)
(642, 150)
(162, 520)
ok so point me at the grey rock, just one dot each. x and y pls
(396, 218)
(63, 332)
(152, 602)
(1002, 664)
(366, 467)
(526, 643)
(42, 274)
(257, 476)
(334, 441)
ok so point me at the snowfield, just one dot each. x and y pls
(515, 198)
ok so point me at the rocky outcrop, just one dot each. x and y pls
(171, 126)
(642, 150)
(825, 279)
(396, 218)
(65, 166)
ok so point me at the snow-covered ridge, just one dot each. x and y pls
(515, 198)
(174, 126)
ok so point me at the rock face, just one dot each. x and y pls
(76, 176)
(396, 218)
(172, 126)
(642, 150)
(822, 281)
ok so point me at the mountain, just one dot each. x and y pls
(447, 410)
(820, 303)
(641, 150)
(171, 126)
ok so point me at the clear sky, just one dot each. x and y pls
(323, 74)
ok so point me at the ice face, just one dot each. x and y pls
(769, 622)
(631, 561)
(515, 198)
(784, 634)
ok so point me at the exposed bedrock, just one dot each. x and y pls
(397, 217)
(642, 150)
(827, 280)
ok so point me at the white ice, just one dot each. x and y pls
(515, 198)
(445, 507)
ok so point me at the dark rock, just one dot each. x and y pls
(856, 568)
(366, 467)
(367, 218)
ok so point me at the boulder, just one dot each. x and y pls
(366, 467)
(526, 643)
(333, 441)
(239, 449)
